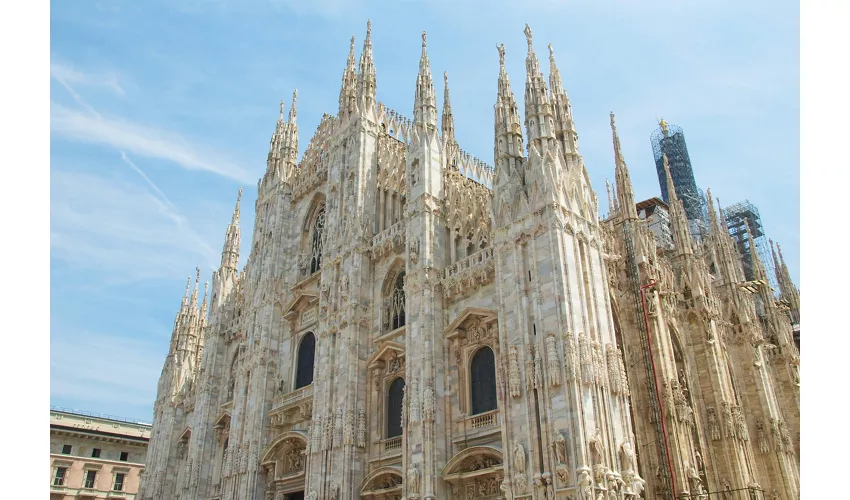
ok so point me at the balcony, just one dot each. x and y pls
(469, 274)
(392, 444)
(473, 427)
(299, 399)
(388, 240)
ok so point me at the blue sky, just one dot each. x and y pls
(160, 110)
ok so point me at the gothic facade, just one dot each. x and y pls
(414, 323)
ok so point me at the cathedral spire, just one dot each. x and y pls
(348, 91)
(448, 129)
(539, 118)
(230, 252)
(508, 131)
(564, 126)
(276, 141)
(759, 272)
(366, 82)
(678, 220)
(625, 193)
(289, 146)
(205, 303)
(554, 75)
(193, 305)
(425, 103)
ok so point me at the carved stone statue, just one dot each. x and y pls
(519, 457)
(627, 456)
(412, 480)
(560, 447)
(584, 484)
(513, 372)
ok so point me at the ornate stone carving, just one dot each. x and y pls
(428, 403)
(613, 368)
(585, 359)
(413, 414)
(348, 434)
(728, 421)
(627, 456)
(361, 428)
(328, 432)
(787, 443)
(740, 424)
(713, 424)
(624, 381)
(412, 480)
(570, 361)
(599, 372)
(520, 476)
(584, 484)
(553, 364)
(761, 438)
(560, 448)
(513, 372)
(337, 427)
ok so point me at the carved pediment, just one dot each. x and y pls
(303, 299)
(387, 352)
(473, 461)
(186, 434)
(470, 320)
(280, 446)
(223, 420)
(380, 481)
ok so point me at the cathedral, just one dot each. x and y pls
(413, 323)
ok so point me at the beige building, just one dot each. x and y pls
(415, 323)
(94, 457)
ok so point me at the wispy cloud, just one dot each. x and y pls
(68, 75)
(139, 139)
(75, 377)
(120, 229)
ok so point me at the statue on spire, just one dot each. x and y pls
(527, 32)
(424, 39)
(501, 49)
(663, 124)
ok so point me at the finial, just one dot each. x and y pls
(369, 28)
(239, 195)
(188, 284)
(198, 277)
(446, 78)
(282, 106)
(424, 39)
(501, 49)
(551, 52)
(527, 32)
(613, 125)
(351, 48)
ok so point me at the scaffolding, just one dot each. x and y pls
(669, 140)
(737, 217)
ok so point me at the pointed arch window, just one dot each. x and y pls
(395, 400)
(306, 356)
(316, 243)
(483, 381)
(397, 313)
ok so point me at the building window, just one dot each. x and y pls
(59, 478)
(483, 381)
(395, 400)
(95, 453)
(91, 475)
(118, 485)
(66, 449)
(397, 303)
(316, 244)
(306, 356)
(124, 456)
